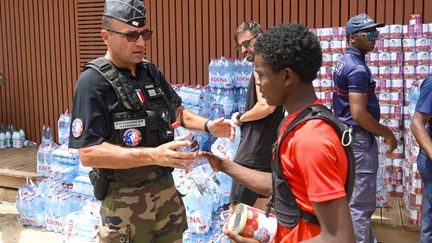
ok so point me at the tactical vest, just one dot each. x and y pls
(288, 213)
(144, 119)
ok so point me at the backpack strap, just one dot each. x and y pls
(344, 132)
(122, 86)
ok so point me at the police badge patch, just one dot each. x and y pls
(339, 67)
(132, 137)
(77, 127)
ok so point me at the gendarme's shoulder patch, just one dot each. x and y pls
(339, 67)
(77, 127)
(132, 137)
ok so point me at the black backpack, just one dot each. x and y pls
(288, 212)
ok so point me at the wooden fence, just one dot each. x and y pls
(44, 43)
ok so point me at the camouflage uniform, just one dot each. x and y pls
(153, 212)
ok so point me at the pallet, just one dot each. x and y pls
(16, 165)
(393, 216)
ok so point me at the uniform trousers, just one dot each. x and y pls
(363, 200)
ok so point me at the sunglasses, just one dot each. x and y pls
(370, 35)
(246, 43)
(133, 36)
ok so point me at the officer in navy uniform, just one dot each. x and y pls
(121, 123)
(356, 104)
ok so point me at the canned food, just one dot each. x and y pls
(252, 223)
(384, 98)
(325, 73)
(326, 33)
(395, 45)
(396, 72)
(385, 111)
(424, 31)
(422, 71)
(423, 58)
(422, 44)
(409, 72)
(325, 46)
(396, 31)
(396, 112)
(384, 85)
(408, 31)
(326, 85)
(414, 19)
(396, 98)
(384, 32)
(336, 57)
(337, 33)
(379, 45)
(327, 59)
(409, 44)
(410, 58)
(384, 59)
(396, 59)
(372, 59)
(374, 71)
(384, 72)
(336, 46)
(317, 85)
(397, 85)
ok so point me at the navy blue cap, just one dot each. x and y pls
(360, 22)
(131, 12)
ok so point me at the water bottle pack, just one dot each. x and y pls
(83, 186)
(82, 226)
(58, 206)
(65, 163)
(44, 158)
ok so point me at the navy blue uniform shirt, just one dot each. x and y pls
(424, 103)
(351, 74)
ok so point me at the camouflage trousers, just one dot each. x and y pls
(153, 212)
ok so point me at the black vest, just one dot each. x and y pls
(288, 213)
(144, 119)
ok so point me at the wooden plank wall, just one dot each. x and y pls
(190, 32)
(44, 43)
(38, 56)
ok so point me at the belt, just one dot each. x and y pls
(120, 184)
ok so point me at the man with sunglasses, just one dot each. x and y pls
(355, 104)
(122, 114)
(258, 124)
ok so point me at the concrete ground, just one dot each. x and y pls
(395, 235)
(12, 231)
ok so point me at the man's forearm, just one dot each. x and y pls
(259, 111)
(422, 136)
(367, 122)
(191, 120)
(257, 181)
(106, 155)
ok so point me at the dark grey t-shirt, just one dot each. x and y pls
(257, 137)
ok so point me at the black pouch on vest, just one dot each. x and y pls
(100, 185)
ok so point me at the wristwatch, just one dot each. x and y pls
(238, 118)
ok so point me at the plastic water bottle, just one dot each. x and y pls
(47, 135)
(2, 140)
(212, 73)
(63, 128)
(241, 99)
(8, 139)
(202, 173)
(414, 95)
(17, 141)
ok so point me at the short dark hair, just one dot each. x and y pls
(106, 22)
(293, 46)
(251, 26)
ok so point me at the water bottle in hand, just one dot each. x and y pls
(202, 173)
